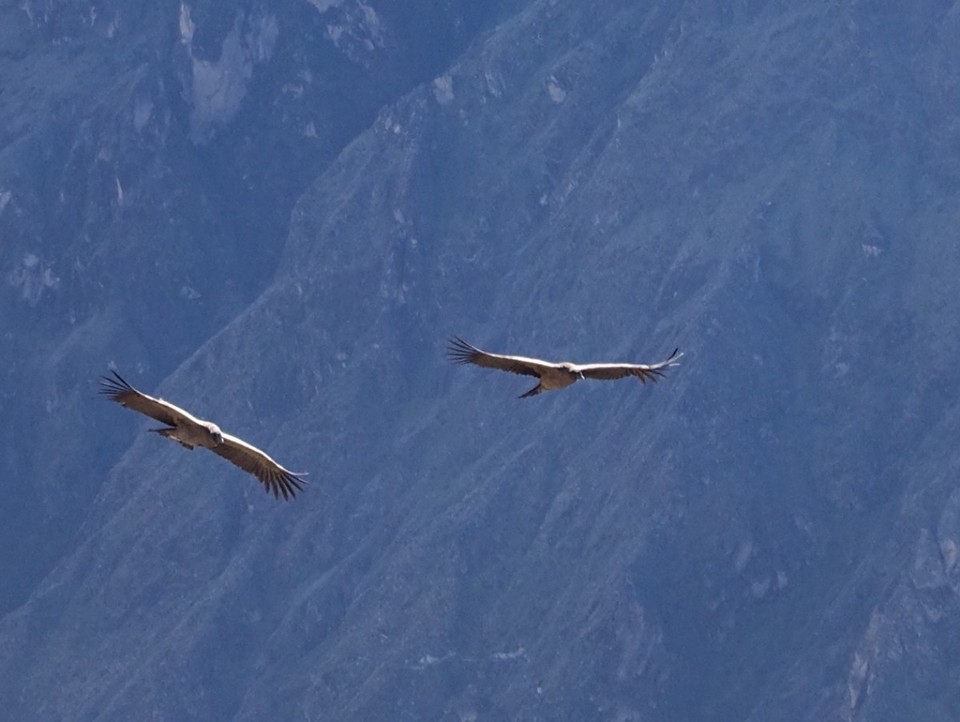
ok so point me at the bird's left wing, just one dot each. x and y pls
(249, 458)
(645, 372)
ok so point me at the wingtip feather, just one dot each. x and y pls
(288, 483)
(459, 351)
(113, 386)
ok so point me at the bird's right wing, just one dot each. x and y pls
(116, 389)
(459, 351)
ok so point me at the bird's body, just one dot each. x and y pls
(557, 377)
(191, 435)
(553, 375)
(190, 432)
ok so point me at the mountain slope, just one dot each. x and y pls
(769, 533)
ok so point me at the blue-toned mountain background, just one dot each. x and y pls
(275, 214)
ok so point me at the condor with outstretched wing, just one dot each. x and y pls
(189, 431)
(555, 375)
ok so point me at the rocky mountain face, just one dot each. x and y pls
(274, 215)
(150, 155)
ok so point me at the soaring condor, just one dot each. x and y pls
(555, 375)
(189, 431)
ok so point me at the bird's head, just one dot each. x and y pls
(572, 368)
(215, 434)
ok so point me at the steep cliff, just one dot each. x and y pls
(150, 155)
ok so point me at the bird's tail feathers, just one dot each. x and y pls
(167, 432)
(532, 392)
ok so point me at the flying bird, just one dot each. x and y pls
(555, 375)
(189, 431)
